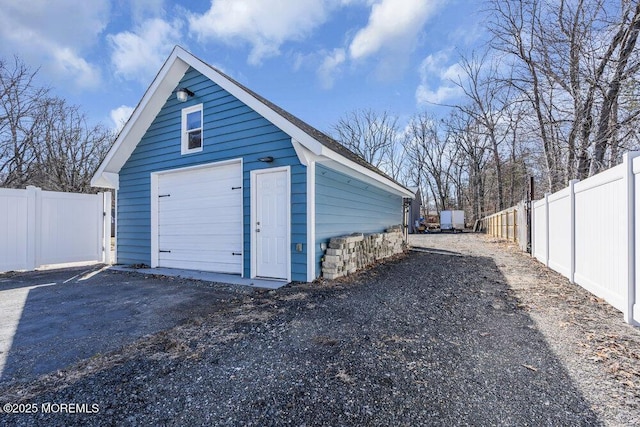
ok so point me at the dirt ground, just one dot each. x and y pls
(599, 350)
(464, 330)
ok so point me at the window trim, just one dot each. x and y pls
(184, 136)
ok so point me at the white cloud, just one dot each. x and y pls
(439, 95)
(67, 23)
(139, 54)
(438, 78)
(69, 63)
(453, 72)
(145, 9)
(433, 63)
(265, 25)
(393, 25)
(120, 115)
(330, 67)
(54, 37)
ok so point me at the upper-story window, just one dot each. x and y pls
(192, 129)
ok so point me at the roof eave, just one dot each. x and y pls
(386, 183)
(143, 115)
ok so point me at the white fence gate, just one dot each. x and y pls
(40, 228)
(590, 233)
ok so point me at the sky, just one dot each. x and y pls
(317, 59)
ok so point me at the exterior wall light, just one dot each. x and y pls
(183, 94)
(267, 159)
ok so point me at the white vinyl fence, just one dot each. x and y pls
(46, 227)
(588, 233)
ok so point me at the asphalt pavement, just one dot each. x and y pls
(54, 318)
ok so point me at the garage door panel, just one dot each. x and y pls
(176, 196)
(186, 180)
(175, 200)
(200, 219)
(203, 208)
(199, 265)
(199, 216)
(224, 243)
(229, 219)
(205, 179)
(192, 255)
(176, 227)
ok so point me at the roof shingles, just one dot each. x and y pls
(319, 136)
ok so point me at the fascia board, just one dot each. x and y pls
(265, 111)
(142, 117)
(106, 180)
(331, 158)
(368, 175)
(305, 156)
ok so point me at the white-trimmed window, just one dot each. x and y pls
(192, 136)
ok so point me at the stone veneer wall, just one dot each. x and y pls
(347, 254)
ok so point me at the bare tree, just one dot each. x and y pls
(517, 29)
(473, 156)
(571, 61)
(70, 150)
(19, 106)
(489, 99)
(370, 135)
(43, 140)
(427, 147)
(624, 42)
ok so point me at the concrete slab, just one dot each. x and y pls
(230, 279)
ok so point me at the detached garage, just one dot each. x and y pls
(210, 176)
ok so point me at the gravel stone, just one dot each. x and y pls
(466, 331)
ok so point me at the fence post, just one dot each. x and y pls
(505, 220)
(532, 224)
(508, 227)
(512, 226)
(546, 231)
(34, 211)
(493, 225)
(572, 198)
(106, 228)
(629, 314)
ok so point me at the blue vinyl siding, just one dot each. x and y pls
(231, 130)
(346, 205)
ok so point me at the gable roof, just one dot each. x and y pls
(320, 146)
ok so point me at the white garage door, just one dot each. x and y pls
(200, 219)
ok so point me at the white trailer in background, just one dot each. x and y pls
(452, 221)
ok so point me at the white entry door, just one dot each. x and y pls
(272, 223)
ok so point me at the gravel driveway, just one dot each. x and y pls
(464, 332)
